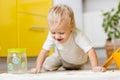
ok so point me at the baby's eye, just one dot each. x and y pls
(61, 32)
(52, 32)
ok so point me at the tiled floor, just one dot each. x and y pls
(101, 53)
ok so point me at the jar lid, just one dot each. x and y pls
(16, 50)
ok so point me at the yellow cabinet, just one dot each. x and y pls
(8, 29)
(32, 24)
(33, 33)
(23, 24)
(34, 7)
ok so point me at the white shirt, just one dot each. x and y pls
(73, 50)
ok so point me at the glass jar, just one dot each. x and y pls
(17, 60)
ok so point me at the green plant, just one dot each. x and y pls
(111, 23)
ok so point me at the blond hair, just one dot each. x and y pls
(62, 13)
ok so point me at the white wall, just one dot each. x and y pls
(93, 28)
(92, 19)
(98, 5)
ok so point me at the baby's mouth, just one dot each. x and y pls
(59, 39)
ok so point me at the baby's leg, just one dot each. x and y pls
(51, 63)
(69, 66)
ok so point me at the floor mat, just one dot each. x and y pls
(65, 75)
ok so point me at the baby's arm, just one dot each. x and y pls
(39, 62)
(94, 61)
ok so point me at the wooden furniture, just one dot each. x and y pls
(111, 47)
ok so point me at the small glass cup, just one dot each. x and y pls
(17, 60)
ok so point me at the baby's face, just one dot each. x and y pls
(60, 33)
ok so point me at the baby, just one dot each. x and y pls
(71, 47)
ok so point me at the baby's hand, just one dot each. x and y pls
(99, 69)
(34, 70)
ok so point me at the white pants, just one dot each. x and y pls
(54, 62)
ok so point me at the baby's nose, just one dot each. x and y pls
(57, 36)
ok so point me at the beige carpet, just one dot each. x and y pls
(65, 75)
